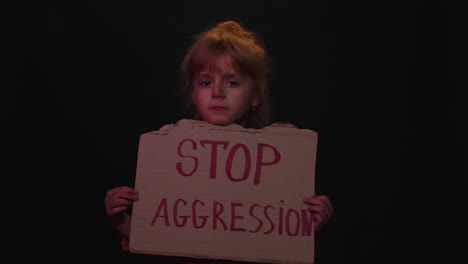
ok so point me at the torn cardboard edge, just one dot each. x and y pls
(190, 124)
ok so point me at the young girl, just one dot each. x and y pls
(224, 76)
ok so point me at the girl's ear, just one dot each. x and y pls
(254, 102)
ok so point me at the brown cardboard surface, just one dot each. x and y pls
(225, 192)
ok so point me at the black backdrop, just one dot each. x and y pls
(380, 81)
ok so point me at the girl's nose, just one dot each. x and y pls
(218, 91)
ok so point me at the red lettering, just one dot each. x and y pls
(194, 215)
(307, 220)
(162, 207)
(230, 159)
(260, 222)
(288, 222)
(280, 218)
(272, 225)
(260, 162)
(183, 217)
(214, 154)
(195, 160)
(234, 217)
(218, 209)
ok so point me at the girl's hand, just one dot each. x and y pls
(119, 199)
(321, 207)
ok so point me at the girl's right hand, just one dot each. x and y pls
(119, 199)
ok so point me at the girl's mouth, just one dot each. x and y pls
(217, 108)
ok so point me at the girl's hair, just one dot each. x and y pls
(248, 55)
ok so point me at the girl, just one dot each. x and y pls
(224, 81)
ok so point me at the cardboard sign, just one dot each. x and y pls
(225, 192)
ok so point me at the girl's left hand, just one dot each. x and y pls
(321, 207)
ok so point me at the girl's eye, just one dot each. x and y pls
(232, 83)
(205, 83)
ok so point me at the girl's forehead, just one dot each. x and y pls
(220, 64)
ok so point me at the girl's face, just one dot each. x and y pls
(222, 95)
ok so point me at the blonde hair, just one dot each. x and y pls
(248, 55)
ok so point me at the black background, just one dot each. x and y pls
(380, 81)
